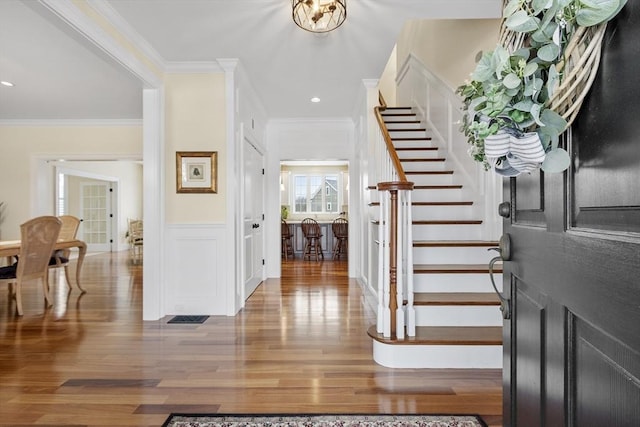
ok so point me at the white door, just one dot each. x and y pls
(95, 209)
(252, 219)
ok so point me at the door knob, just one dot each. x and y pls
(255, 225)
(504, 251)
(504, 209)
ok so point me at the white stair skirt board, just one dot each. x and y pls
(438, 356)
(458, 315)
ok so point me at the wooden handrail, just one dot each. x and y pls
(387, 140)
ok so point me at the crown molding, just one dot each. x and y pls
(123, 27)
(72, 122)
(81, 22)
(193, 67)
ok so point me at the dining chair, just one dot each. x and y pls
(38, 237)
(287, 244)
(312, 236)
(68, 231)
(135, 239)
(340, 228)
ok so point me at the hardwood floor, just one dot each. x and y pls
(299, 346)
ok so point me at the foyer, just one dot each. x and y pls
(299, 346)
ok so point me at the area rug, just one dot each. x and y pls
(354, 420)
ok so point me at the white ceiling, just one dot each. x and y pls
(60, 75)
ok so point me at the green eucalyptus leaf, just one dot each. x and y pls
(549, 52)
(500, 60)
(523, 53)
(511, 8)
(556, 161)
(512, 92)
(535, 113)
(511, 81)
(553, 80)
(545, 139)
(550, 14)
(529, 69)
(553, 120)
(521, 21)
(524, 105)
(484, 69)
(594, 12)
(539, 5)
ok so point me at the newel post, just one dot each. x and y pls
(393, 249)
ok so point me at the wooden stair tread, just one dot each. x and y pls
(408, 130)
(454, 268)
(454, 243)
(437, 187)
(445, 203)
(415, 138)
(397, 122)
(455, 298)
(423, 159)
(446, 335)
(417, 148)
(448, 222)
(447, 172)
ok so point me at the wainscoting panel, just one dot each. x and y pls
(196, 270)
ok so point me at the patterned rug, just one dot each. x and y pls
(226, 420)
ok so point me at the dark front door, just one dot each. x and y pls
(572, 346)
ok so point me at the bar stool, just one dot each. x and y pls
(287, 245)
(312, 235)
(340, 228)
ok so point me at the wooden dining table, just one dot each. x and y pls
(11, 248)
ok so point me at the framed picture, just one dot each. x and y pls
(196, 171)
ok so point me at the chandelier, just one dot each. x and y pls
(319, 16)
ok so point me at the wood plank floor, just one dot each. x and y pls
(299, 346)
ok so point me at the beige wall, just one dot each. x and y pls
(387, 83)
(447, 47)
(20, 146)
(195, 120)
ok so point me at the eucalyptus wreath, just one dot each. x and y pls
(509, 94)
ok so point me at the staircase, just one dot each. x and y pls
(458, 320)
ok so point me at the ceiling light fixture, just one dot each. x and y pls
(315, 99)
(3, 83)
(319, 16)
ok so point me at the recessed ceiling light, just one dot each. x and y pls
(315, 99)
(3, 83)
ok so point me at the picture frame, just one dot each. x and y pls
(196, 171)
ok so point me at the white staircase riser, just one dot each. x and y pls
(400, 110)
(455, 282)
(444, 212)
(453, 255)
(440, 195)
(440, 179)
(414, 143)
(419, 154)
(404, 125)
(447, 232)
(458, 316)
(425, 166)
(407, 134)
(438, 356)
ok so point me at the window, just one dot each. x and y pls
(315, 193)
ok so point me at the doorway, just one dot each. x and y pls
(319, 191)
